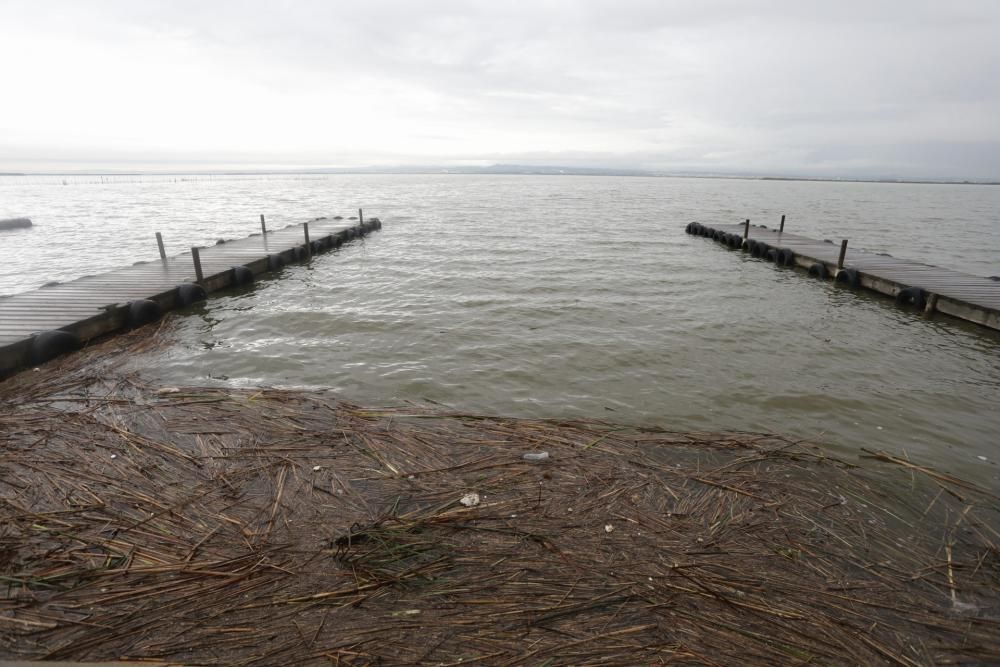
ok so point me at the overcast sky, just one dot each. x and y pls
(848, 88)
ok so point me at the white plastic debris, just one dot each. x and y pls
(114, 456)
(168, 390)
(535, 456)
(470, 499)
(317, 468)
(608, 528)
(982, 458)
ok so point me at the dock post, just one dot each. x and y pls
(782, 227)
(199, 277)
(305, 229)
(843, 253)
(361, 217)
(159, 243)
(746, 229)
(931, 304)
(263, 227)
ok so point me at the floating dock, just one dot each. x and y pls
(38, 325)
(912, 284)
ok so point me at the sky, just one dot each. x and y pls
(868, 89)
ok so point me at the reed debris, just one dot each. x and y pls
(208, 525)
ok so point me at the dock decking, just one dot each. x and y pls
(968, 297)
(95, 305)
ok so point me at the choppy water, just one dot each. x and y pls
(567, 296)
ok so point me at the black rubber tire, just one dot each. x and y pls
(298, 253)
(819, 270)
(912, 296)
(143, 311)
(242, 276)
(687, 229)
(705, 231)
(189, 293)
(849, 277)
(772, 255)
(786, 257)
(735, 241)
(378, 223)
(757, 249)
(275, 262)
(317, 246)
(50, 344)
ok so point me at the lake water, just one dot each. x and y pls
(564, 297)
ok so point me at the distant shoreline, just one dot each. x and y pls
(497, 170)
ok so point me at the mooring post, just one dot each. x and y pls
(931, 304)
(305, 229)
(843, 253)
(159, 244)
(746, 229)
(361, 217)
(263, 227)
(782, 227)
(197, 265)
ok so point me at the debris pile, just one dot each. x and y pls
(259, 527)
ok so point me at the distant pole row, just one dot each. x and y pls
(196, 257)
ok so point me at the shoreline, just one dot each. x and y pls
(221, 526)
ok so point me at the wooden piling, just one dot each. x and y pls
(746, 229)
(931, 304)
(305, 230)
(159, 244)
(361, 217)
(263, 227)
(199, 276)
(782, 227)
(843, 253)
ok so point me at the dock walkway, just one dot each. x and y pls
(965, 296)
(95, 305)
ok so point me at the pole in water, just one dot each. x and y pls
(197, 265)
(782, 227)
(843, 253)
(263, 227)
(361, 217)
(305, 229)
(931, 304)
(746, 229)
(159, 243)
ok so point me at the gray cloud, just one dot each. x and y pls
(897, 87)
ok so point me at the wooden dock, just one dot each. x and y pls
(92, 306)
(912, 284)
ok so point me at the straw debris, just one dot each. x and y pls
(215, 525)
